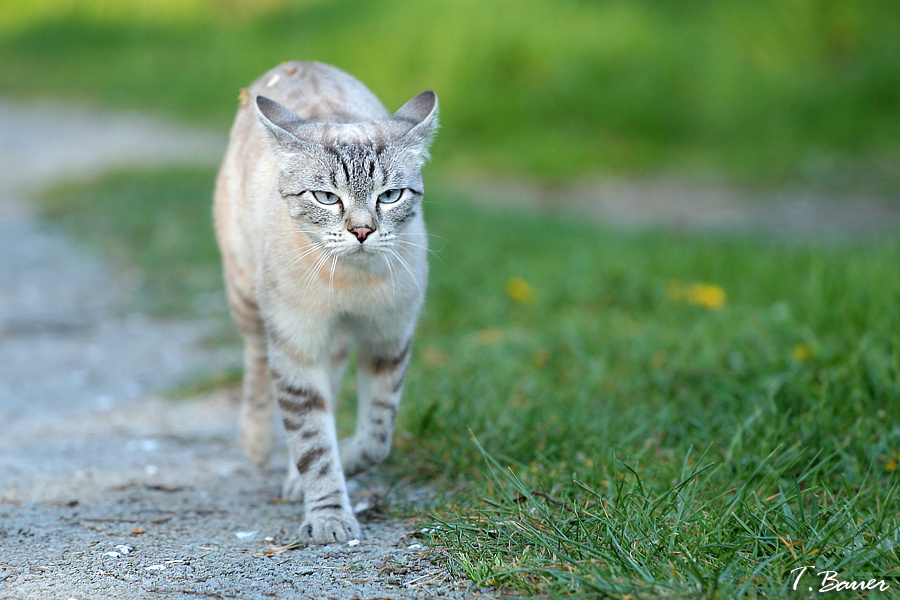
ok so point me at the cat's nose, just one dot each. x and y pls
(361, 233)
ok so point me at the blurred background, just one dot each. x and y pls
(754, 92)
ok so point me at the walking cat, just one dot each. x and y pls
(318, 215)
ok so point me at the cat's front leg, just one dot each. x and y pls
(381, 373)
(303, 396)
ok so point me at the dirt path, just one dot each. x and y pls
(106, 490)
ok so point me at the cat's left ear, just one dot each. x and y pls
(421, 116)
(283, 124)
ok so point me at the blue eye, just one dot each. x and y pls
(390, 196)
(326, 198)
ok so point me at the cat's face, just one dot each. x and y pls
(353, 188)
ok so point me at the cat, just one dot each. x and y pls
(318, 216)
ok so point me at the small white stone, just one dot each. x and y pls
(142, 445)
(353, 543)
(245, 536)
(155, 567)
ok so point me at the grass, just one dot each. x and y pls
(157, 224)
(760, 91)
(650, 414)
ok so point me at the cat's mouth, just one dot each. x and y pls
(362, 251)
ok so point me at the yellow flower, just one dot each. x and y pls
(801, 353)
(891, 465)
(707, 295)
(519, 290)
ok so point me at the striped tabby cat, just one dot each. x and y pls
(318, 213)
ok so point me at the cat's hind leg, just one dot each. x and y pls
(340, 353)
(257, 415)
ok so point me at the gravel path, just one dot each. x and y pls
(107, 490)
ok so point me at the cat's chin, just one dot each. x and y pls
(363, 256)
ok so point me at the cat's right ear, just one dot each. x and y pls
(420, 115)
(281, 122)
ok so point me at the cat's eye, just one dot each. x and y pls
(326, 198)
(390, 196)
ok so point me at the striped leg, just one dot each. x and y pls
(293, 484)
(303, 392)
(257, 415)
(313, 448)
(381, 375)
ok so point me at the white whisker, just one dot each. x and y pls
(297, 250)
(426, 248)
(314, 272)
(408, 270)
(301, 257)
(390, 269)
(431, 235)
(331, 280)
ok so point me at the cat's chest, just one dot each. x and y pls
(327, 289)
(314, 310)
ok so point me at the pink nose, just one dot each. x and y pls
(361, 233)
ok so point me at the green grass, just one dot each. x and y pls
(157, 224)
(762, 91)
(605, 430)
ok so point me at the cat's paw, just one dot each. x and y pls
(329, 528)
(292, 489)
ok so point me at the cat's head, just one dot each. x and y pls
(354, 188)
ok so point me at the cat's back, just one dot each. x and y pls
(318, 92)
